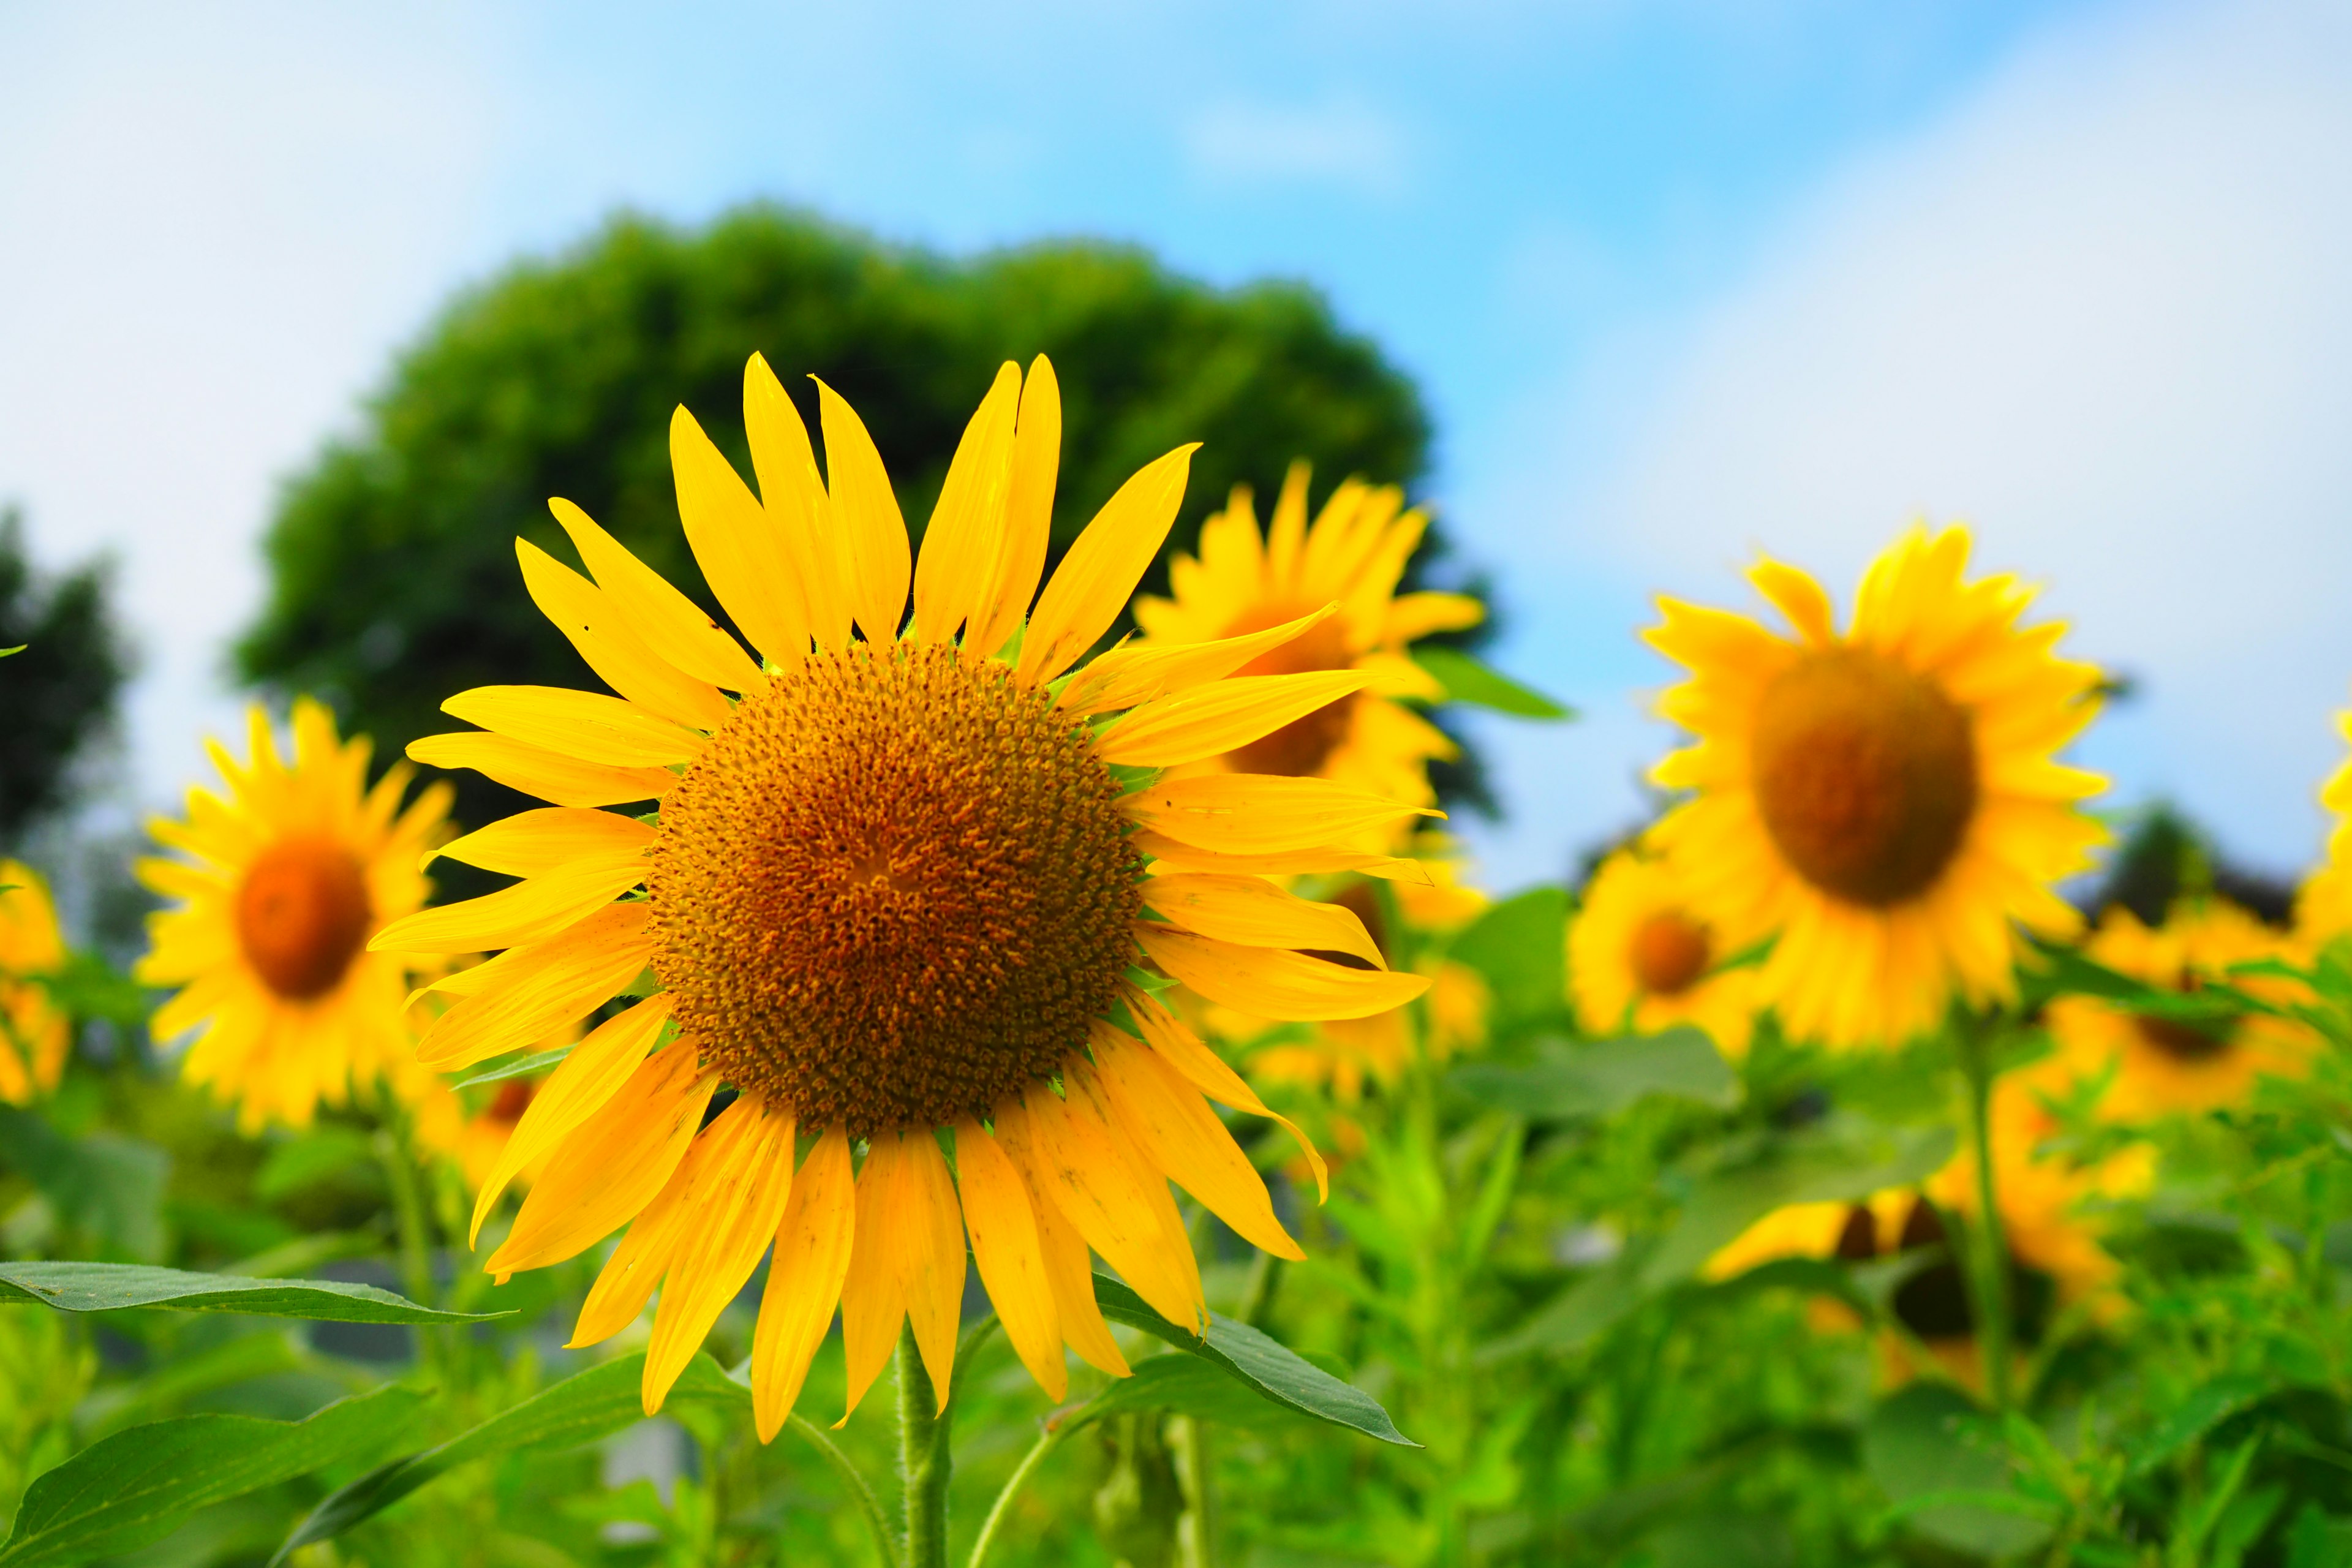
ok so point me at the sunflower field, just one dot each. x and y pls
(974, 1044)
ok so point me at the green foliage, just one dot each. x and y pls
(393, 579)
(115, 1287)
(58, 692)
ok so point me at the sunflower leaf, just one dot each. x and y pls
(1467, 680)
(134, 1487)
(1576, 1082)
(115, 1287)
(1242, 1353)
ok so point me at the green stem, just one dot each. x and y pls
(1188, 1439)
(398, 1148)
(923, 1460)
(867, 1503)
(1002, 1506)
(1989, 1278)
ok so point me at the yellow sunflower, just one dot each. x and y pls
(288, 877)
(1641, 960)
(2163, 1065)
(894, 898)
(35, 1032)
(1886, 800)
(1351, 556)
(2324, 908)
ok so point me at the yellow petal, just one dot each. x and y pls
(1182, 1050)
(1211, 719)
(1256, 913)
(1095, 578)
(1286, 530)
(1129, 676)
(585, 613)
(966, 535)
(1411, 616)
(1167, 1117)
(583, 724)
(1004, 1245)
(928, 1239)
(741, 552)
(1261, 814)
(1166, 851)
(873, 1301)
(794, 498)
(666, 621)
(533, 843)
(804, 1279)
(668, 1225)
(1028, 513)
(737, 1212)
(582, 1084)
(1079, 1163)
(1276, 985)
(1797, 596)
(605, 1172)
(528, 911)
(1068, 1271)
(865, 516)
(534, 770)
(544, 987)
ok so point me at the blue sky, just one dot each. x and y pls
(1680, 281)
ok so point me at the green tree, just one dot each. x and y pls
(392, 580)
(58, 694)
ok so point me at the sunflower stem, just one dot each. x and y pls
(397, 1147)
(1990, 1277)
(923, 1462)
(867, 1503)
(997, 1511)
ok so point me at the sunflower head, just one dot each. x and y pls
(895, 898)
(282, 880)
(1884, 801)
(1642, 958)
(2322, 910)
(35, 1035)
(1351, 556)
(2164, 1065)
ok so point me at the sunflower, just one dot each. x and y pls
(2324, 907)
(286, 878)
(894, 898)
(1352, 556)
(1885, 800)
(35, 1032)
(1641, 960)
(2164, 1065)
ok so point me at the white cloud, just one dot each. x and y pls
(2101, 311)
(1340, 141)
(217, 222)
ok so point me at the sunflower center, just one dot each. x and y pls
(1300, 748)
(1865, 775)
(1670, 952)
(892, 889)
(302, 912)
(2184, 1039)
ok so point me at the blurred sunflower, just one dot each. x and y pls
(2323, 908)
(35, 1032)
(1351, 556)
(894, 892)
(2163, 1065)
(1885, 800)
(288, 876)
(1641, 958)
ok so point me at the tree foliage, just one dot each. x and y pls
(58, 694)
(393, 581)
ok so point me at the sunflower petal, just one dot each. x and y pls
(1261, 814)
(583, 724)
(533, 843)
(1256, 913)
(527, 911)
(1167, 1117)
(586, 615)
(794, 498)
(1003, 1226)
(738, 1214)
(1068, 1272)
(1129, 676)
(866, 517)
(930, 1256)
(1276, 985)
(1028, 512)
(873, 1301)
(965, 539)
(1079, 1163)
(663, 1231)
(1166, 851)
(1097, 576)
(1181, 1050)
(542, 988)
(1211, 719)
(664, 620)
(741, 551)
(535, 770)
(804, 1279)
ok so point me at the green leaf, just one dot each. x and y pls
(132, 1488)
(520, 1066)
(113, 1286)
(310, 1158)
(1942, 1487)
(1467, 680)
(1570, 1082)
(1280, 1374)
(580, 1409)
(2208, 1405)
(111, 1186)
(1189, 1385)
(1518, 948)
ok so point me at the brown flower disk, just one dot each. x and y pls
(1670, 952)
(893, 890)
(302, 912)
(1865, 775)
